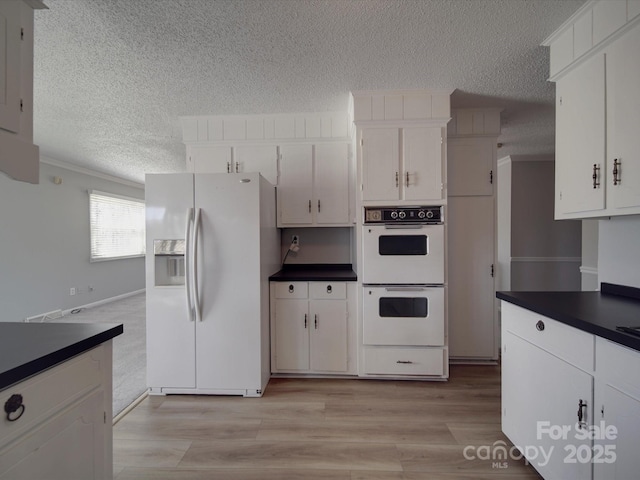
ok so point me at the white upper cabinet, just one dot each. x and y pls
(313, 188)
(623, 120)
(296, 180)
(402, 164)
(597, 113)
(257, 158)
(580, 147)
(306, 156)
(401, 146)
(19, 158)
(331, 184)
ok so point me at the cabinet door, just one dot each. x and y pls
(328, 335)
(295, 186)
(292, 335)
(540, 392)
(421, 175)
(623, 108)
(331, 183)
(472, 329)
(580, 139)
(70, 445)
(380, 164)
(257, 158)
(208, 159)
(10, 65)
(470, 166)
(621, 411)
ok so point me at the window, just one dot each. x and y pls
(117, 226)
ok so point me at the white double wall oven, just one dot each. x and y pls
(403, 278)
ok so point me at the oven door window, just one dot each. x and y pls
(402, 245)
(395, 307)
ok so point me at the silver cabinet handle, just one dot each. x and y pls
(405, 362)
(236, 167)
(228, 167)
(305, 320)
(616, 171)
(316, 321)
(318, 206)
(407, 178)
(309, 206)
(596, 171)
(397, 179)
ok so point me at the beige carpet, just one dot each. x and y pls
(129, 349)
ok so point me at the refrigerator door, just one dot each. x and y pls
(170, 330)
(228, 333)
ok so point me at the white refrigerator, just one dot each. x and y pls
(211, 245)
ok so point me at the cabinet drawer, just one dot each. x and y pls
(50, 391)
(565, 342)
(403, 361)
(291, 289)
(328, 290)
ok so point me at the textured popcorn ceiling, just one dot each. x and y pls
(113, 76)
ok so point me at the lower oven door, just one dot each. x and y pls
(403, 315)
(403, 254)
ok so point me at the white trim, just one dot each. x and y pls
(588, 270)
(130, 407)
(545, 259)
(92, 173)
(106, 300)
(102, 193)
(567, 23)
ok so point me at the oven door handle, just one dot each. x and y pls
(404, 289)
(403, 227)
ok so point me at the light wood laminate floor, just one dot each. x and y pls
(331, 429)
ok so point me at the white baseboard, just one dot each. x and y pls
(106, 300)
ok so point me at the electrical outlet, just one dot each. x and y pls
(72, 291)
(295, 240)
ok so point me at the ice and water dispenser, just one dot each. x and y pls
(169, 262)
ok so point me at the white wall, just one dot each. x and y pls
(45, 246)
(319, 245)
(619, 250)
(538, 252)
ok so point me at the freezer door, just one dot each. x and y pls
(228, 333)
(170, 331)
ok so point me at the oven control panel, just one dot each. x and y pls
(391, 215)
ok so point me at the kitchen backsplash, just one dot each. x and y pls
(619, 250)
(318, 245)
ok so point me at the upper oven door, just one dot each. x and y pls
(403, 254)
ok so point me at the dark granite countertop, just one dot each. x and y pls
(594, 312)
(342, 272)
(27, 349)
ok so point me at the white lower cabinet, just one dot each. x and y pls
(570, 400)
(312, 330)
(617, 411)
(65, 429)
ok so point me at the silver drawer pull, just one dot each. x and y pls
(540, 326)
(405, 362)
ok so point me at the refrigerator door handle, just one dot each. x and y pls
(188, 254)
(194, 266)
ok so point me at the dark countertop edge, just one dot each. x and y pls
(337, 272)
(620, 290)
(615, 336)
(38, 365)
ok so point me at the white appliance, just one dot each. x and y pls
(211, 245)
(404, 292)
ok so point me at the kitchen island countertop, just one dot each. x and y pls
(317, 272)
(27, 349)
(598, 312)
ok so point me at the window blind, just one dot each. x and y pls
(117, 226)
